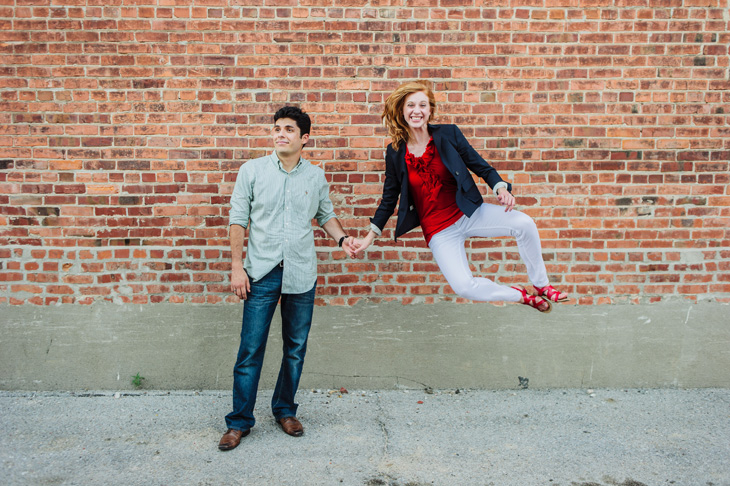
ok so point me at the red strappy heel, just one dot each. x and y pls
(533, 300)
(551, 293)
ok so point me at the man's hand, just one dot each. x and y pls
(239, 282)
(506, 199)
(348, 248)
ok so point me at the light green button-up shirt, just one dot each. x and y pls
(277, 207)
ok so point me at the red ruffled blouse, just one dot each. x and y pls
(433, 189)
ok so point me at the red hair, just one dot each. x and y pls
(393, 111)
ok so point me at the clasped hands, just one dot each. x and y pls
(359, 245)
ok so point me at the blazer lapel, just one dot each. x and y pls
(438, 141)
(404, 202)
(407, 217)
(400, 158)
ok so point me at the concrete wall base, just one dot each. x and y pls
(368, 346)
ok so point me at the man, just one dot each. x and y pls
(276, 197)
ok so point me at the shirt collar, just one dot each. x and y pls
(277, 162)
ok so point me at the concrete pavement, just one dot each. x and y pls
(567, 437)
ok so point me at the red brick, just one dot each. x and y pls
(586, 111)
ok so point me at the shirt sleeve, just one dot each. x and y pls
(499, 185)
(241, 198)
(326, 210)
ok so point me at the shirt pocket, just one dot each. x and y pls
(267, 199)
(304, 200)
(471, 191)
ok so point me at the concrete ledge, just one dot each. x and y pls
(370, 346)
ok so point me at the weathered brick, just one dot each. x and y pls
(591, 113)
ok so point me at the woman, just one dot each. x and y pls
(428, 166)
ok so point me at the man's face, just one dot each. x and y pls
(287, 137)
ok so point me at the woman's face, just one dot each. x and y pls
(417, 110)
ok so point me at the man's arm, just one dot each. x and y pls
(238, 221)
(328, 221)
(239, 279)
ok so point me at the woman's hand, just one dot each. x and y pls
(359, 245)
(506, 199)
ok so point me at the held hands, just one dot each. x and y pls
(240, 284)
(360, 244)
(348, 248)
(506, 199)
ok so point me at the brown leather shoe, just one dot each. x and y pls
(232, 438)
(291, 426)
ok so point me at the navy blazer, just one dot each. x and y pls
(457, 155)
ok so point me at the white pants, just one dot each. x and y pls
(488, 220)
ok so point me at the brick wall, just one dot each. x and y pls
(123, 124)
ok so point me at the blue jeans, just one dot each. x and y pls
(296, 320)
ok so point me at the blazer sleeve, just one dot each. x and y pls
(475, 162)
(391, 192)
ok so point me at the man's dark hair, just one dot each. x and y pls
(296, 114)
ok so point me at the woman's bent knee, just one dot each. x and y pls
(464, 288)
(523, 224)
